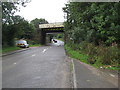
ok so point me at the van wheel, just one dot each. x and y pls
(24, 46)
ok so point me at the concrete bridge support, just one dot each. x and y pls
(49, 28)
(43, 37)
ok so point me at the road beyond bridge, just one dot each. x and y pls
(49, 28)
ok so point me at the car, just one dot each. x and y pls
(22, 44)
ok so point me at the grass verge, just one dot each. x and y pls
(14, 48)
(84, 58)
(75, 54)
(9, 49)
(35, 45)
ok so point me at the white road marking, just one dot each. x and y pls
(14, 63)
(87, 80)
(44, 50)
(74, 76)
(33, 55)
(112, 75)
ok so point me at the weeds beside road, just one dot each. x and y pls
(9, 49)
(14, 48)
(97, 56)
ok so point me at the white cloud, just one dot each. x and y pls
(51, 10)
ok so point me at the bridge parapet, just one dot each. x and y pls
(52, 25)
(49, 28)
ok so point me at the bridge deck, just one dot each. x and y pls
(55, 25)
(50, 28)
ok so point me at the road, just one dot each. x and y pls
(90, 77)
(42, 67)
(49, 67)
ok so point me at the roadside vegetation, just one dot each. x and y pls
(59, 36)
(15, 27)
(35, 45)
(9, 49)
(93, 33)
(99, 56)
(14, 48)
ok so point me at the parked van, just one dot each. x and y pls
(22, 43)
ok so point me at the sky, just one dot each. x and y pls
(51, 10)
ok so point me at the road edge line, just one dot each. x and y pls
(74, 76)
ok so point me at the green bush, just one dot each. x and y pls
(109, 55)
(9, 49)
(76, 54)
(99, 55)
(31, 42)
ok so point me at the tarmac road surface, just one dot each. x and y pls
(41, 67)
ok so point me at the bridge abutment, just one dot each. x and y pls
(43, 37)
(49, 28)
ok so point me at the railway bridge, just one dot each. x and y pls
(49, 28)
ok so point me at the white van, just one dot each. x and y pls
(22, 43)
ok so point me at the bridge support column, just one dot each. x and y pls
(43, 37)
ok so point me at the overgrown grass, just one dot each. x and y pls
(35, 45)
(9, 49)
(97, 56)
(0, 50)
(76, 54)
(114, 68)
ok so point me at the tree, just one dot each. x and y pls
(9, 21)
(20, 29)
(93, 22)
(36, 22)
(23, 28)
(9, 9)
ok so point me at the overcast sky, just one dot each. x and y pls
(51, 10)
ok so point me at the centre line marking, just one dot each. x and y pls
(15, 63)
(33, 55)
(44, 50)
(112, 75)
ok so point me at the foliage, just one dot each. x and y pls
(8, 10)
(24, 30)
(10, 49)
(59, 36)
(14, 26)
(37, 21)
(96, 55)
(93, 22)
(76, 54)
(32, 42)
(93, 29)
(35, 45)
(20, 29)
